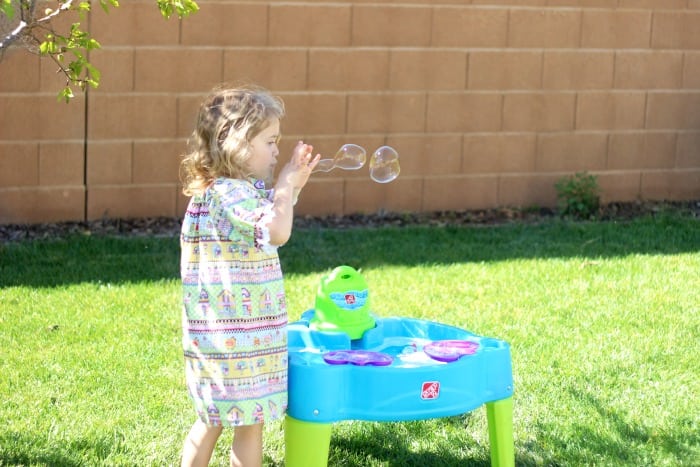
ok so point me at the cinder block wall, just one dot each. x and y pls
(487, 102)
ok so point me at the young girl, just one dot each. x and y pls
(234, 314)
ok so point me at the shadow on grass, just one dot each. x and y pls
(387, 444)
(115, 260)
(88, 259)
(623, 439)
(313, 250)
(622, 442)
(17, 449)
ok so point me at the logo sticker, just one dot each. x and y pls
(350, 299)
(431, 390)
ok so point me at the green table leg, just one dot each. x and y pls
(306, 443)
(500, 418)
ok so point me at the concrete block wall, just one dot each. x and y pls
(488, 103)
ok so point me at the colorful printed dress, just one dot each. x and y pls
(234, 317)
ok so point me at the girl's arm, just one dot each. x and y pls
(292, 177)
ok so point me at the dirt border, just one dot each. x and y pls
(170, 227)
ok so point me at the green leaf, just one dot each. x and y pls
(7, 9)
(66, 94)
(94, 73)
(92, 44)
(183, 8)
(76, 68)
(49, 46)
(105, 4)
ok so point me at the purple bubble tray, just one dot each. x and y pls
(357, 357)
(450, 350)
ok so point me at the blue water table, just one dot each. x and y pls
(347, 364)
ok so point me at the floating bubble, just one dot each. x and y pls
(348, 157)
(384, 165)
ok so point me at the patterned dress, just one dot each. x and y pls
(234, 316)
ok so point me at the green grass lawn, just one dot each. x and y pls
(603, 321)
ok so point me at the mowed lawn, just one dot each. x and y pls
(603, 319)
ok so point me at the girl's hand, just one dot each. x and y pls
(291, 179)
(297, 171)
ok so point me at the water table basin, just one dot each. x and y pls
(400, 369)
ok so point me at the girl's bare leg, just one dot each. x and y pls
(246, 450)
(199, 444)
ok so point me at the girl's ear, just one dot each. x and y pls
(223, 134)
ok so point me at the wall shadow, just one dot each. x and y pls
(118, 260)
(95, 259)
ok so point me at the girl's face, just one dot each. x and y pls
(265, 151)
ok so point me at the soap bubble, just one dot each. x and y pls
(348, 157)
(384, 165)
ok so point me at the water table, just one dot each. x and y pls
(345, 363)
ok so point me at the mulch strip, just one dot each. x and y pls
(170, 227)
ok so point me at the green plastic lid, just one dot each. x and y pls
(342, 303)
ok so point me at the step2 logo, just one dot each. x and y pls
(431, 390)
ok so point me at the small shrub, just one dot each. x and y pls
(578, 196)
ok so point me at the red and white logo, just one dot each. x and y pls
(350, 299)
(431, 390)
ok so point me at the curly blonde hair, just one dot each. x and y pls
(228, 119)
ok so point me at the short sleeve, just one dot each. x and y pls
(241, 212)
